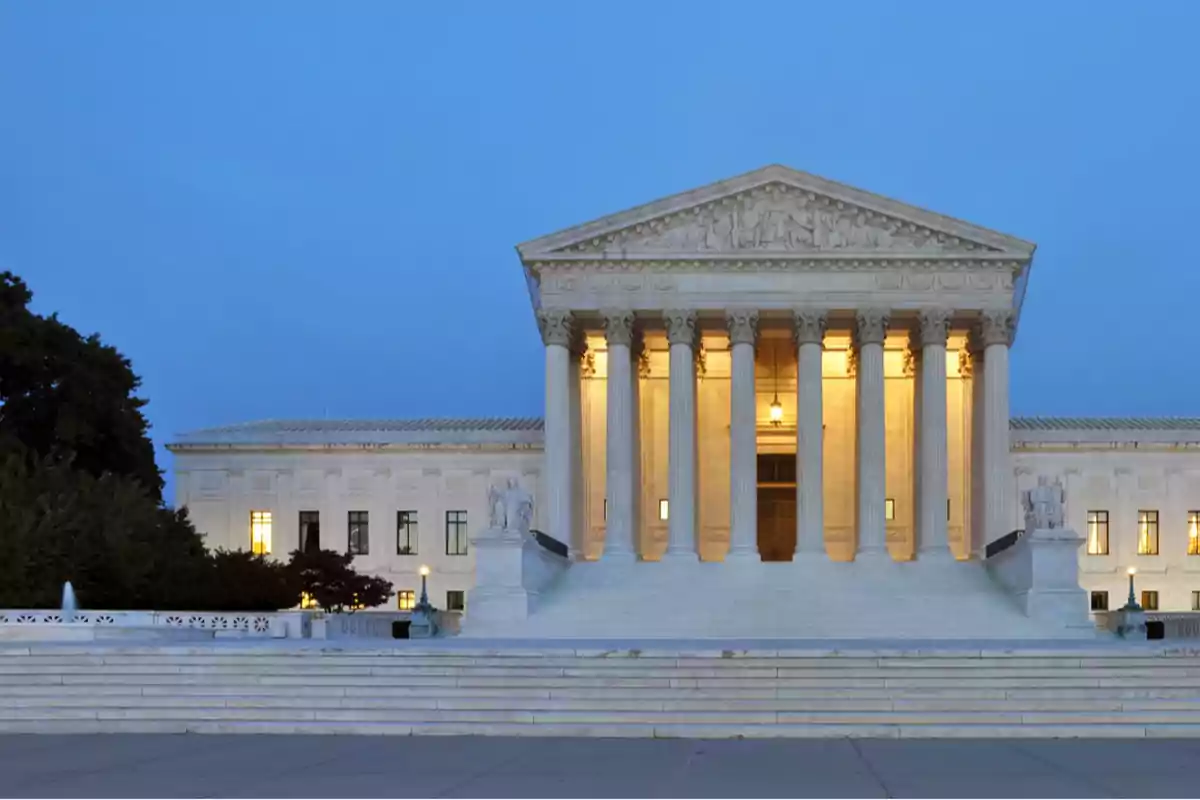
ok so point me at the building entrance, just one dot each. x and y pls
(776, 506)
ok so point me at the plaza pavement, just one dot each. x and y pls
(336, 766)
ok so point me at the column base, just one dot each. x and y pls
(743, 556)
(681, 556)
(873, 556)
(936, 555)
(620, 556)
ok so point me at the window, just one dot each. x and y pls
(406, 599)
(1147, 533)
(358, 540)
(663, 508)
(1149, 600)
(1194, 534)
(1097, 533)
(406, 533)
(947, 511)
(260, 532)
(1099, 601)
(307, 601)
(456, 533)
(889, 509)
(455, 600)
(1195, 601)
(310, 531)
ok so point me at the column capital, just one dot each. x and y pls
(871, 325)
(557, 326)
(619, 325)
(681, 326)
(808, 327)
(995, 327)
(743, 325)
(932, 327)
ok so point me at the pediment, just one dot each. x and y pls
(775, 211)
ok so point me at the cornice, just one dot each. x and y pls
(773, 262)
(505, 447)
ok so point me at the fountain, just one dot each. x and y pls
(68, 603)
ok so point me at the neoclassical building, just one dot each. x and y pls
(771, 370)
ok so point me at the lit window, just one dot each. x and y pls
(310, 531)
(260, 532)
(456, 533)
(1149, 600)
(456, 600)
(1097, 533)
(358, 536)
(307, 601)
(1147, 533)
(1099, 601)
(1195, 601)
(889, 509)
(406, 533)
(662, 509)
(1194, 534)
(406, 600)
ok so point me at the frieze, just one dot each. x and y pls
(556, 273)
(775, 217)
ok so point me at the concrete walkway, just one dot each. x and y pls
(317, 766)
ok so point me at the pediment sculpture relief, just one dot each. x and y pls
(777, 218)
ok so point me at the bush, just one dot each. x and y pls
(329, 579)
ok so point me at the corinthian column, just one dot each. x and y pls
(809, 332)
(743, 436)
(933, 326)
(619, 473)
(869, 332)
(681, 485)
(561, 461)
(994, 334)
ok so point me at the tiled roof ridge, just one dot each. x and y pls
(1046, 423)
(364, 425)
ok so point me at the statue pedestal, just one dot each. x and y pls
(511, 570)
(1131, 622)
(421, 624)
(1041, 571)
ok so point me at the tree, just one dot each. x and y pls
(69, 397)
(328, 577)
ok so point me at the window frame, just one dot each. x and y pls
(301, 522)
(408, 595)
(1095, 595)
(889, 509)
(261, 520)
(457, 525)
(1147, 529)
(361, 527)
(462, 604)
(1149, 595)
(1195, 599)
(1097, 521)
(408, 522)
(1193, 530)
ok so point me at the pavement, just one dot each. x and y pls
(342, 766)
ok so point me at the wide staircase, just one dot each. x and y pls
(942, 691)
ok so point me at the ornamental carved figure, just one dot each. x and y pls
(1044, 505)
(681, 326)
(933, 326)
(510, 508)
(996, 327)
(871, 326)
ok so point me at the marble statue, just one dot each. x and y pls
(1044, 505)
(511, 508)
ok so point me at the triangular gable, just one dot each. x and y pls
(774, 211)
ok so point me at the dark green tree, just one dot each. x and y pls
(328, 577)
(69, 397)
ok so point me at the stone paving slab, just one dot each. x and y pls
(349, 766)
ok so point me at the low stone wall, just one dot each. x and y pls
(224, 624)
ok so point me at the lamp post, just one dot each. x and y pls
(423, 603)
(1132, 604)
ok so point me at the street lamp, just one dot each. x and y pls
(424, 602)
(1132, 604)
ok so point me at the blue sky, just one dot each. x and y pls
(282, 209)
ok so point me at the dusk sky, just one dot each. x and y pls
(303, 209)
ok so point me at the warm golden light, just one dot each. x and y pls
(424, 571)
(1132, 570)
(260, 532)
(776, 412)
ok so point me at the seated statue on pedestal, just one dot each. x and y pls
(1044, 505)
(511, 508)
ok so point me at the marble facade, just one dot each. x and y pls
(775, 314)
